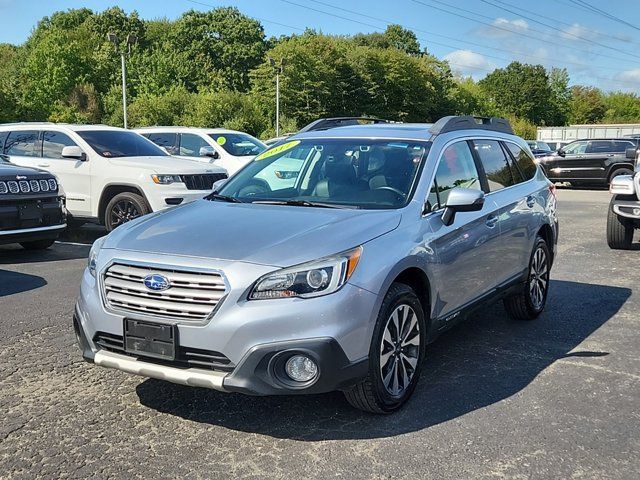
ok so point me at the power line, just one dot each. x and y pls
(498, 27)
(603, 13)
(477, 45)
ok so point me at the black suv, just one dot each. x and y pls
(590, 162)
(32, 211)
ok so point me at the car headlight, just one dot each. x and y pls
(93, 255)
(312, 279)
(166, 179)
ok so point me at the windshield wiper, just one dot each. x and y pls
(223, 198)
(303, 203)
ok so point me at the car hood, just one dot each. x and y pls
(166, 165)
(9, 170)
(275, 235)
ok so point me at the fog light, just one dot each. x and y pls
(301, 368)
(636, 212)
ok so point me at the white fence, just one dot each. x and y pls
(576, 132)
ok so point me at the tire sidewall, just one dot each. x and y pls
(137, 200)
(620, 171)
(539, 243)
(397, 295)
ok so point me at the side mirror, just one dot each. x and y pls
(208, 152)
(462, 200)
(561, 152)
(73, 151)
(218, 185)
(630, 153)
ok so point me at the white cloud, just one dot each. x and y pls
(630, 76)
(501, 27)
(467, 62)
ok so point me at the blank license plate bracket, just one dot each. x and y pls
(149, 339)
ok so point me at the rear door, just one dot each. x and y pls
(514, 206)
(469, 249)
(74, 174)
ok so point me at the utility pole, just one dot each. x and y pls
(279, 69)
(130, 41)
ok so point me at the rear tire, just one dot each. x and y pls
(529, 303)
(619, 229)
(395, 356)
(123, 208)
(38, 244)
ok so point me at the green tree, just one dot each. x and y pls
(560, 96)
(522, 90)
(586, 105)
(621, 108)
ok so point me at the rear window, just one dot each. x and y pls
(120, 143)
(23, 143)
(495, 164)
(524, 163)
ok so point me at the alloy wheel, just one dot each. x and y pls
(538, 278)
(122, 212)
(399, 349)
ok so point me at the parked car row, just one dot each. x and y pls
(329, 262)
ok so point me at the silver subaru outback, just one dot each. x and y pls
(329, 262)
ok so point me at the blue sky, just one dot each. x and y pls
(474, 35)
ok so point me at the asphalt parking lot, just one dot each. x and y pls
(555, 398)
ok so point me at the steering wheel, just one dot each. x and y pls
(400, 193)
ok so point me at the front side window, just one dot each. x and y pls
(575, 148)
(456, 168)
(239, 144)
(495, 164)
(167, 140)
(191, 144)
(526, 167)
(53, 143)
(331, 173)
(120, 143)
(23, 143)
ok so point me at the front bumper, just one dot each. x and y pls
(165, 196)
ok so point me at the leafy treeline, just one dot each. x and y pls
(212, 69)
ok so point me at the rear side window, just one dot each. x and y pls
(620, 146)
(166, 140)
(456, 168)
(495, 164)
(3, 137)
(524, 163)
(23, 143)
(54, 142)
(190, 145)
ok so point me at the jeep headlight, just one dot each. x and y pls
(166, 179)
(312, 279)
(93, 255)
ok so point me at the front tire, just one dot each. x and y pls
(396, 354)
(529, 303)
(38, 244)
(618, 172)
(123, 208)
(619, 229)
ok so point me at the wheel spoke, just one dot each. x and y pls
(411, 322)
(413, 361)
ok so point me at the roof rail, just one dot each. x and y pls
(327, 123)
(453, 123)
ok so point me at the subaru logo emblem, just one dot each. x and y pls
(156, 282)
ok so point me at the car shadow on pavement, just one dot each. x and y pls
(482, 361)
(16, 282)
(14, 254)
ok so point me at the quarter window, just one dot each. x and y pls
(23, 143)
(620, 146)
(456, 168)
(53, 143)
(190, 145)
(495, 164)
(526, 166)
(166, 140)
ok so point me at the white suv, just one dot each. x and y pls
(109, 175)
(229, 149)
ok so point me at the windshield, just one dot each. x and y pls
(239, 144)
(120, 143)
(356, 173)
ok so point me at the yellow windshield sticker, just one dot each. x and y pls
(276, 150)
(221, 140)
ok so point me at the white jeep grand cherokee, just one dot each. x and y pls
(109, 175)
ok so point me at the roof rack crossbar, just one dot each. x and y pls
(454, 123)
(333, 122)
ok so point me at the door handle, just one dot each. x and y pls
(492, 220)
(531, 201)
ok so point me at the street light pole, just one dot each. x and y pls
(279, 69)
(130, 41)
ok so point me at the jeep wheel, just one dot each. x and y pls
(619, 229)
(38, 244)
(123, 208)
(618, 172)
(529, 303)
(396, 354)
